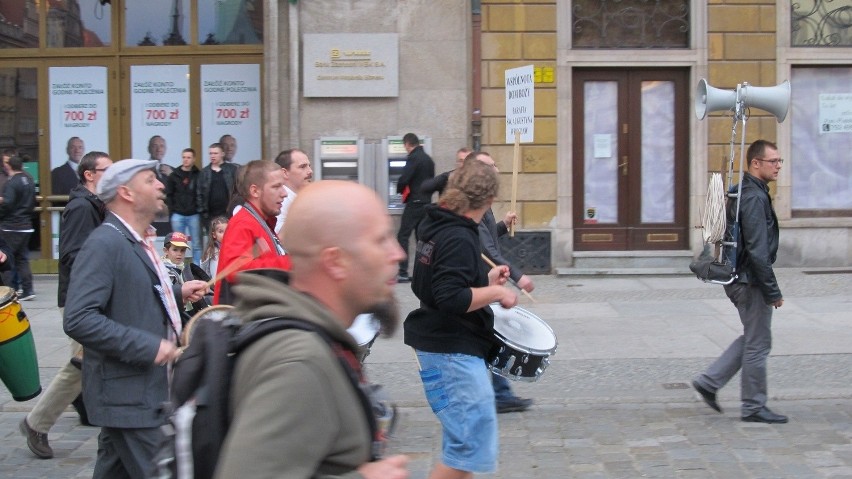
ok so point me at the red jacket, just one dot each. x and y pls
(241, 234)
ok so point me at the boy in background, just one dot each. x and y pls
(174, 253)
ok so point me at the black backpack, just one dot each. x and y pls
(204, 374)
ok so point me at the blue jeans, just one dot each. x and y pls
(458, 389)
(190, 226)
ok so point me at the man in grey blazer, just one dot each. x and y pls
(123, 309)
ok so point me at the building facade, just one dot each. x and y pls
(617, 172)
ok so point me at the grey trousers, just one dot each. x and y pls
(126, 453)
(748, 352)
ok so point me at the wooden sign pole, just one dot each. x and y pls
(516, 161)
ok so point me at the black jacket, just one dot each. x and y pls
(447, 265)
(490, 231)
(16, 211)
(181, 189)
(6, 265)
(757, 242)
(202, 193)
(64, 178)
(418, 168)
(436, 184)
(83, 213)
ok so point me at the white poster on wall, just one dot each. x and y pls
(231, 112)
(159, 109)
(835, 113)
(78, 120)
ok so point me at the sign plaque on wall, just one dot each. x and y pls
(351, 65)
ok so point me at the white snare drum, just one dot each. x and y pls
(216, 313)
(365, 330)
(524, 342)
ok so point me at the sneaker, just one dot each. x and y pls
(37, 441)
(27, 297)
(19, 291)
(403, 278)
(514, 404)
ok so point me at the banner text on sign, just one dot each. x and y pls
(230, 107)
(159, 105)
(520, 103)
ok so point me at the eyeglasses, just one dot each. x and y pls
(99, 170)
(774, 161)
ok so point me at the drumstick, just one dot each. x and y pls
(253, 252)
(491, 263)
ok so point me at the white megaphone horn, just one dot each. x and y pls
(709, 99)
(773, 99)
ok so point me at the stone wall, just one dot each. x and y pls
(434, 73)
(518, 33)
(740, 48)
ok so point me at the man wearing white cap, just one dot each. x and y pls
(123, 309)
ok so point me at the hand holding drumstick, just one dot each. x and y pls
(493, 265)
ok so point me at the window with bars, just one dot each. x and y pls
(821, 23)
(613, 24)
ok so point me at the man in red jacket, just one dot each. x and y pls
(250, 241)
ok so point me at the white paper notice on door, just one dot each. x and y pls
(603, 145)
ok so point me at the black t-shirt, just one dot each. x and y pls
(217, 203)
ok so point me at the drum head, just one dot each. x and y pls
(523, 330)
(7, 294)
(215, 313)
(364, 329)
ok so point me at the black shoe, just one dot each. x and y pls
(767, 416)
(81, 410)
(36, 441)
(514, 404)
(707, 396)
(403, 278)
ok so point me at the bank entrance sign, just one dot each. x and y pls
(351, 65)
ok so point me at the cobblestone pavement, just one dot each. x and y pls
(615, 401)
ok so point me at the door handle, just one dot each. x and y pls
(623, 166)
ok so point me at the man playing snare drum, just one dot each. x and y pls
(452, 331)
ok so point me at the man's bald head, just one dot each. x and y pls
(328, 213)
(343, 250)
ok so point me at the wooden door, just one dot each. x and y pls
(630, 159)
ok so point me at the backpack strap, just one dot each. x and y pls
(251, 332)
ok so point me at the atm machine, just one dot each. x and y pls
(389, 168)
(340, 158)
